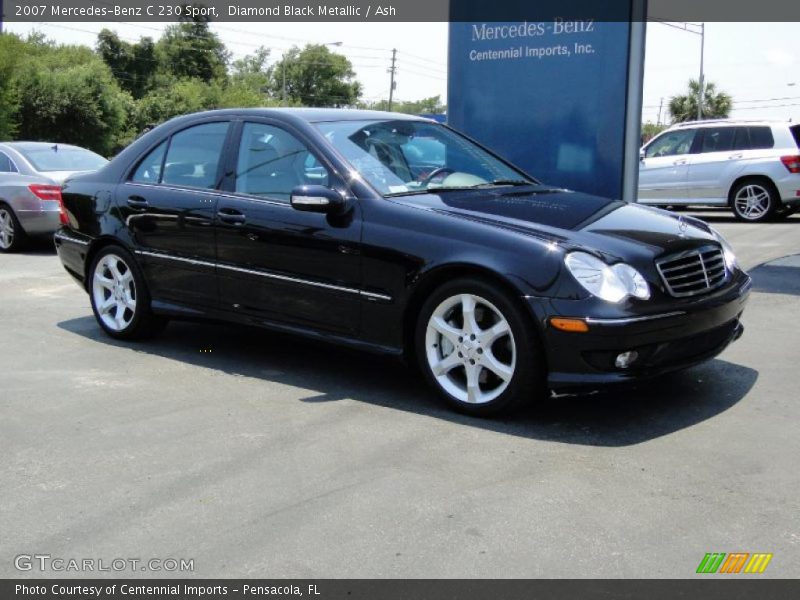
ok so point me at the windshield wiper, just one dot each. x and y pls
(499, 182)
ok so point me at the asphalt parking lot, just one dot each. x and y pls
(256, 454)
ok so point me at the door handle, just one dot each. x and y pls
(735, 156)
(680, 161)
(229, 215)
(137, 202)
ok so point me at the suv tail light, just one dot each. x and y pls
(792, 163)
(51, 193)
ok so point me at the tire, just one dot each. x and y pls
(491, 364)
(754, 200)
(12, 236)
(119, 296)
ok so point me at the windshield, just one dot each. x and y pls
(402, 157)
(62, 158)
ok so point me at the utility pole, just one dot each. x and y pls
(660, 105)
(700, 91)
(392, 71)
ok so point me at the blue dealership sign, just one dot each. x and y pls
(551, 95)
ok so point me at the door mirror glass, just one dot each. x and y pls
(318, 198)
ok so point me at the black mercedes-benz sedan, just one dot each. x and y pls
(396, 234)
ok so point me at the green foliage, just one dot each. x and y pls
(11, 48)
(102, 99)
(651, 130)
(133, 65)
(716, 105)
(67, 94)
(426, 106)
(192, 50)
(315, 76)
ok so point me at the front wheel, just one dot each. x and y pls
(754, 201)
(120, 301)
(478, 348)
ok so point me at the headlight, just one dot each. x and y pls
(727, 250)
(607, 282)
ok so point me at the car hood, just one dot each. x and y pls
(574, 219)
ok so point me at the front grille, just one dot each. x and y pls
(693, 272)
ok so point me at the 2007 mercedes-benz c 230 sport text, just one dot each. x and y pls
(399, 235)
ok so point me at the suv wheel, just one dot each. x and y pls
(120, 301)
(478, 349)
(754, 200)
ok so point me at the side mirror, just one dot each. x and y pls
(641, 154)
(319, 199)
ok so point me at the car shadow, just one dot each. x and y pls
(618, 416)
(780, 276)
(38, 247)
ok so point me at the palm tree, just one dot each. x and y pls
(716, 105)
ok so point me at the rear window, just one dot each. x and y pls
(795, 129)
(63, 158)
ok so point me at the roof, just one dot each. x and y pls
(317, 115)
(22, 146)
(706, 122)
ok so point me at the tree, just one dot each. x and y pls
(67, 94)
(192, 50)
(716, 105)
(315, 76)
(426, 106)
(11, 48)
(133, 65)
(651, 130)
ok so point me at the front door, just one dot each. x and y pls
(663, 170)
(277, 263)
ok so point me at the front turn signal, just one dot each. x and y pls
(571, 325)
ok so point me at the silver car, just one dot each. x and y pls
(753, 167)
(31, 175)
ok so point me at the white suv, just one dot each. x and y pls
(751, 166)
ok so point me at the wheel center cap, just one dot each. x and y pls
(468, 348)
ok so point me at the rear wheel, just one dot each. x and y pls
(754, 200)
(478, 349)
(12, 236)
(120, 301)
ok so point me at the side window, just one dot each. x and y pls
(718, 139)
(194, 155)
(761, 138)
(671, 143)
(272, 162)
(6, 166)
(741, 140)
(149, 170)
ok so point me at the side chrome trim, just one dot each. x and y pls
(67, 238)
(277, 276)
(628, 320)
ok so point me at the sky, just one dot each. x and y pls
(756, 63)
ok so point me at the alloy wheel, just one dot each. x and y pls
(752, 202)
(6, 229)
(114, 292)
(470, 349)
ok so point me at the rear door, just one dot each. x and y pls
(709, 168)
(169, 202)
(663, 170)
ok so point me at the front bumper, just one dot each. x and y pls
(682, 336)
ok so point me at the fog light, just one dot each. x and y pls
(626, 359)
